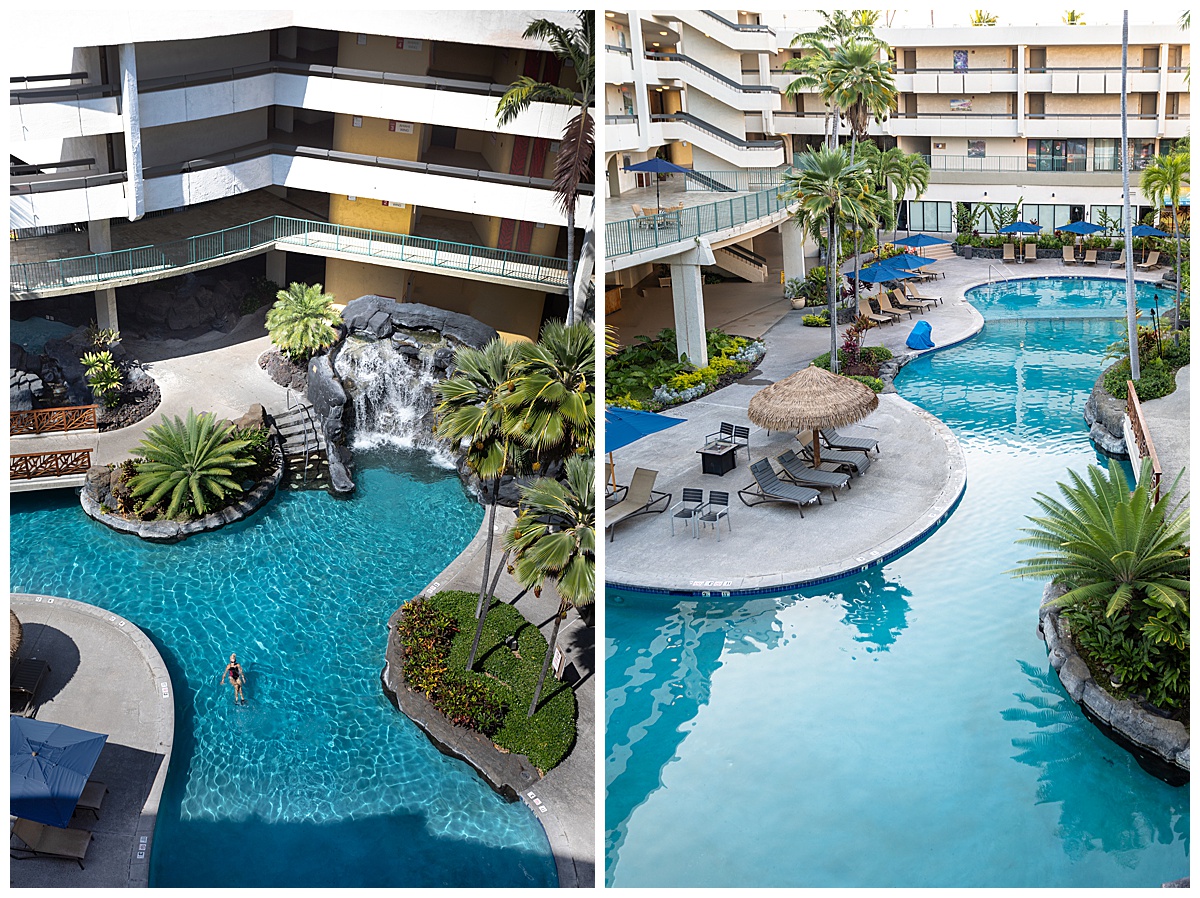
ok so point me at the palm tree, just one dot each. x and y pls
(1135, 365)
(831, 191)
(1073, 17)
(301, 321)
(982, 17)
(553, 397)
(1164, 179)
(1114, 549)
(574, 164)
(554, 538)
(474, 408)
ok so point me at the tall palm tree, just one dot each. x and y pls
(1164, 179)
(574, 164)
(473, 407)
(832, 192)
(1135, 365)
(554, 538)
(553, 398)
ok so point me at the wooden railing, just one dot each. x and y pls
(32, 465)
(1141, 435)
(48, 420)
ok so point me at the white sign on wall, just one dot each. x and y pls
(401, 127)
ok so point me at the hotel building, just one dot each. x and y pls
(151, 145)
(1024, 113)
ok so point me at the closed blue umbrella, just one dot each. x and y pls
(656, 166)
(49, 764)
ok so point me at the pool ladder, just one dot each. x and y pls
(999, 274)
(299, 421)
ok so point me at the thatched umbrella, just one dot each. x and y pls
(812, 399)
(14, 632)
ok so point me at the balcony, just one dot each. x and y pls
(744, 38)
(733, 149)
(618, 65)
(746, 97)
(621, 132)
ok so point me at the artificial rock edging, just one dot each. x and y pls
(1161, 746)
(174, 531)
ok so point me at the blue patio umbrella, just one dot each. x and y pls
(881, 272)
(907, 261)
(623, 426)
(49, 764)
(657, 166)
(1021, 227)
(1147, 231)
(918, 241)
(1082, 228)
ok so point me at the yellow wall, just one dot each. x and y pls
(515, 312)
(380, 54)
(374, 139)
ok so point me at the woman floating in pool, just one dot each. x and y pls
(237, 677)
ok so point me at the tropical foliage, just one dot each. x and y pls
(187, 468)
(1124, 560)
(553, 398)
(1164, 180)
(302, 320)
(650, 376)
(573, 166)
(103, 377)
(554, 538)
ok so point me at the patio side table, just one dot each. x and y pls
(718, 458)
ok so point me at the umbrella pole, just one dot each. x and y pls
(816, 441)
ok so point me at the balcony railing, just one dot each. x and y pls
(32, 465)
(84, 272)
(713, 73)
(739, 142)
(736, 26)
(52, 420)
(743, 180)
(1141, 436)
(637, 234)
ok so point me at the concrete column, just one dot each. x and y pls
(286, 41)
(277, 267)
(1020, 98)
(793, 250)
(106, 309)
(687, 294)
(641, 102)
(131, 121)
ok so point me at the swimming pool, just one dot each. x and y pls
(318, 780)
(901, 727)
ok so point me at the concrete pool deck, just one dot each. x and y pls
(105, 676)
(910, 487)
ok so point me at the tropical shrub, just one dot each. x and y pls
(650, 374)
(819, 320)
(191, 466)
(103, 377)
(302, 320)
(1124, 561)
(873, 382)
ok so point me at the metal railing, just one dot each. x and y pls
(1077, 163)
(699, 123)
(267, 233)
(743, 180)
(713, 73)
(52, 420)
(636, 234)
(735, 25)
(1141, 435)
(32, 465)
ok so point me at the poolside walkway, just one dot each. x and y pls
(912, 485)
(107, 677)
(564, 801)
(1169, 420)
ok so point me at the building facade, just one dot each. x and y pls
(384, 121)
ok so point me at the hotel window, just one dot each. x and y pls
(1113, 213)
(1056, 155)
(1105, 156)
(929, 216)
(1049, 217)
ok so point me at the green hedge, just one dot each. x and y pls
(502, 680)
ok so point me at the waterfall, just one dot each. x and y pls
(390, 385)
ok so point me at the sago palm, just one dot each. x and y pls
(1114, 549)
(832, 192)
(577, 47)
(553, 399)
(301, 321)
(473, 410)
(554, 538)
(1164, 179)
(189, 463)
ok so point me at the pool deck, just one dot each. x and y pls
(1169, 420)
(910, 487)
(105, 676)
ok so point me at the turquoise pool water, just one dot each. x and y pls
(901, 727)
(318, 780)
(32, 333)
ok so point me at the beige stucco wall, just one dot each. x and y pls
(993, 103)
(977, 57)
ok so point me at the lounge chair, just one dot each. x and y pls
(92, 797)
(900, 301)
(914, 294)
(1069, 255)
(1010, 252)
(1118, 262)
(855, 463)
(50, 841)
(715, 510)
(864, 310)
(767, 487)
(1030, 252)
(835, 440)
(798, 472)
(737, 434)
(26, 679)
(640, 498)
(1089, 257)
(687, 508)
(644, 219)
(1150, 263)
(888, 309)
